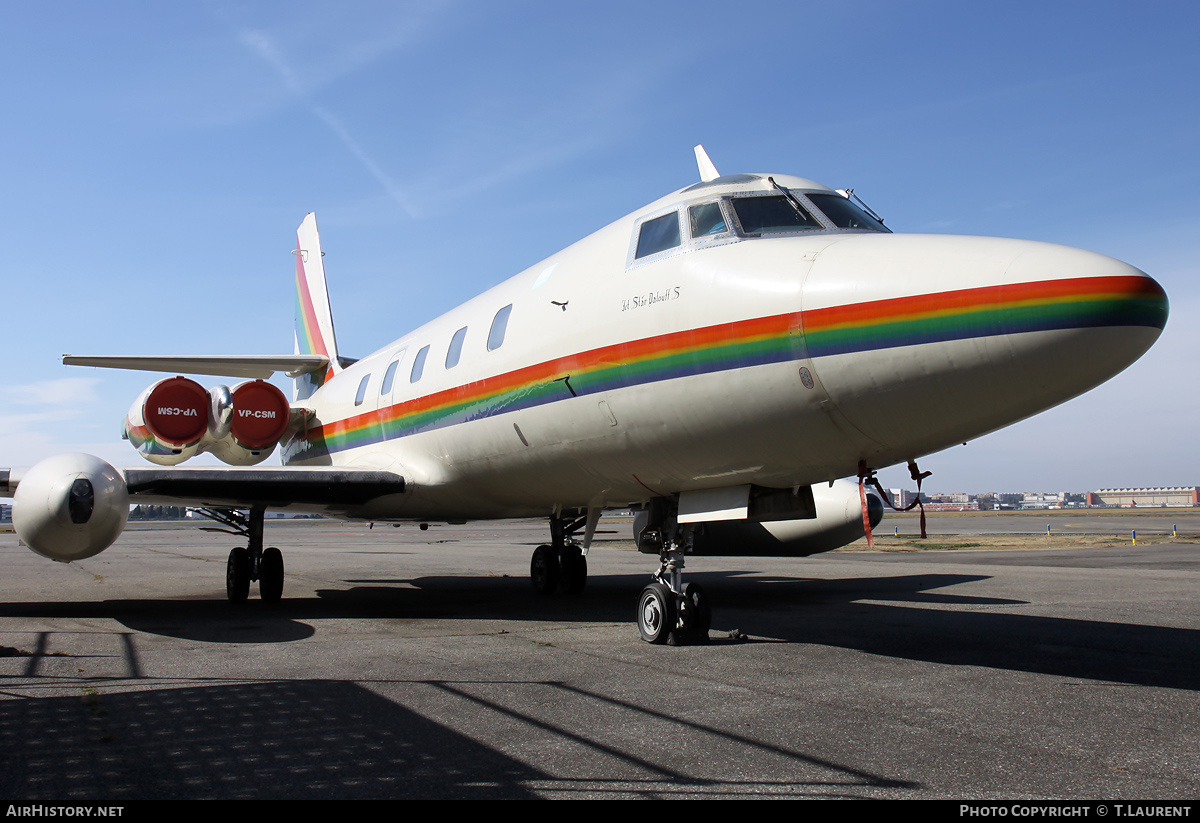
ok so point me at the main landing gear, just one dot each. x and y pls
(560, 566)
(250, 562)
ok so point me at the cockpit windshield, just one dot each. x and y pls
(843, 213)
(732, 217)
(706, 220)
(773, 213)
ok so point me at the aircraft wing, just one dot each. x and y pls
(222, 365)
(73, 506)
(233, 487)
(268, 487)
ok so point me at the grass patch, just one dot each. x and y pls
(933, 545)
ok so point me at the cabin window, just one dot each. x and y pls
(843, 213)
(774, 213)
(499, 327)
(418, 365)
(657, 235)
(706, 220)
(362, 390)
(390, 374)
(455, 351)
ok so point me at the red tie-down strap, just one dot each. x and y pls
(866, 475)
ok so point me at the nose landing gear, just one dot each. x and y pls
(670, 611)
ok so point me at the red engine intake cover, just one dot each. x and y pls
(260, 414)
(176, 411)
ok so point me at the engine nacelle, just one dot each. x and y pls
(248, 428)
(176, 419)
(70, 507)
(169, 420)
(838, 522)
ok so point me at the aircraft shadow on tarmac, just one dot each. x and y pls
(295, 739)
(333, 739)
(878, 615)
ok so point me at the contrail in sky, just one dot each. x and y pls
(265, 48)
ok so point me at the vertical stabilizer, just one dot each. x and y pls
(314, 320)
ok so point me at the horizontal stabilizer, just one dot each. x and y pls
(222, 365)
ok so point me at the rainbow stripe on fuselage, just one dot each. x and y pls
(1073, 303)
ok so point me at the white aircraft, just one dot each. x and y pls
(718, 358)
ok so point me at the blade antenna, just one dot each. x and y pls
(708, 172)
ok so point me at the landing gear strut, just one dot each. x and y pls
(561, 565)
(251, 562)
(670, 611)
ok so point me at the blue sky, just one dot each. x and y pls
(156, 158)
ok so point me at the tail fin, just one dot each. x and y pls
(314, 320)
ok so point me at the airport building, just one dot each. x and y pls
(903, 498)
(1165, 496)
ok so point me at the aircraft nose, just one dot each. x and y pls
(922, 342)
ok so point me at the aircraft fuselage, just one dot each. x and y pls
(777, 357)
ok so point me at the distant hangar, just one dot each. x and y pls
(1165, 496)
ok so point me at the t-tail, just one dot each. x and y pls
(314, 320)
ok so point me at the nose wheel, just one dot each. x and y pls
(670, 611)
(656, 613)
(697, 617)
(674, 619)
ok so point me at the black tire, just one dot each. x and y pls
(270, 575)
(544, 570)
(656, 613)
(699, 612)
(237, 575)
(573, 566)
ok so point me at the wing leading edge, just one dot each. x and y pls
(259, 366)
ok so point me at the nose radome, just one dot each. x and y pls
(922, 342)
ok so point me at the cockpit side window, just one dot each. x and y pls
(843, 213)
(773, 213)
(706, 220)
(657, 235)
